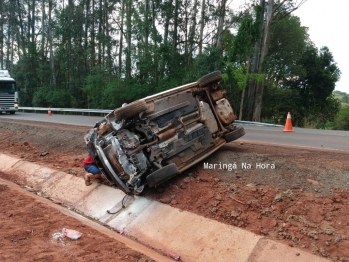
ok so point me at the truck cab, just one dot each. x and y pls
(8, 93)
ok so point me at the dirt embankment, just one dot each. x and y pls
(31, 230)
(296, 195)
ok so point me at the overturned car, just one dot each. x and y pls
(153, 139)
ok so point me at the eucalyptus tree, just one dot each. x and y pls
(255, 60)
(2, 19)
(129, 10)
(240, 54)
(202, 25)
(221, 10)
(263, 53)
(51, 6)
(192, 32)
(9, 33)
(276, 11)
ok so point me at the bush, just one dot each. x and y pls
(341, 121)
(46, 97)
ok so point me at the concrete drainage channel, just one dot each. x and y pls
(158, 226)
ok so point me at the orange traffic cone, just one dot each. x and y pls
(49, 113)
(288, 125)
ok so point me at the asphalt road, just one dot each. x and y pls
(314, 138)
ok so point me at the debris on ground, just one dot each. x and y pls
(174, 256)
(72, 234)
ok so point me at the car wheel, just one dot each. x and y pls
(12, 112)
(130, 110)
(233, 135)
(210, 78)
(162, 175)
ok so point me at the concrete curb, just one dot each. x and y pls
(156, 225)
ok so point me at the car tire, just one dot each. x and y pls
(130, 110)
(12, 112)
(162, 175)
(233, 135)
(210, 78)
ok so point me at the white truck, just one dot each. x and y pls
(8, 93)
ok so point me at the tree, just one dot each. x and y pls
(275, 13)
(254, 63)
(261, 68)
(1, 35)
(320, 74)
(341, 121)
(288, 41)
(241, 52)
(62, 47)
(192, 32)
(220, 28)
(202, 25)
(307, 90)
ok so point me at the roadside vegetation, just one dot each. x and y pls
(101, 54)
(341, 120)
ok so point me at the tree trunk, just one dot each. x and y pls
(244, 90)
(9, 46)
(202, 25)
(93, 52)
(28, 27)
(254, 68)
(144, 54)
(69, 71)
(33, 24)
(264, 52)
(9, 37)
(109, 63)
(49, 36)
(220, 28)
(21, 37)
(128, 38)
(100, 22)
(43, 31)
(175, 32)
(192, 32)
(86, 39)
(242, 103)
(186, 33)
(168, 16)
(12, 53)
(121, 36)
(155, 43)
(1, 36)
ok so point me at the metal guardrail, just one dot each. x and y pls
(249, 123)
(107, 111)
(72, 110)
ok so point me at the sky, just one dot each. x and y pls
(327, 22)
